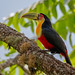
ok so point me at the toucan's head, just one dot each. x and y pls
(35, 16)
(42, 20)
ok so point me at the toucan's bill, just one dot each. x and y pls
(33, 16)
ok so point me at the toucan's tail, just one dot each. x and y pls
(68, 60)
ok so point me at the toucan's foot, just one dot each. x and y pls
(54, 51)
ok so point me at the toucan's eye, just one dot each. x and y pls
(41, 16)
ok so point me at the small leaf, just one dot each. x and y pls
(71, 4)
(61, 28)
(72, 55)
(54, 11)
(15, 22)
(40, 44)
(46, 2)
(10, 21)
(71, 23)
(6, 73)
(70, 39)
(5, 45)
(54, 1)
(61, 5)
(12, 50)
(26, 24)
(62, 1)
(32, 26)
(12, 70)
(22, 21)
(21, 72)
(40, 8)
(50, 2)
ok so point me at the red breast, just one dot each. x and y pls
(46, 44)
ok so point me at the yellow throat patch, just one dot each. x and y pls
(39, 28)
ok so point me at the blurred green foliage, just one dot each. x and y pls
(63, 25)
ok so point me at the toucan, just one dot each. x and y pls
(47, 35)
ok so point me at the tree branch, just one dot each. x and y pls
(32, 55)
(8, 63)
(11, 62)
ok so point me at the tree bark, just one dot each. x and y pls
(32, 55)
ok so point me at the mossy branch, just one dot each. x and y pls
(31, 54)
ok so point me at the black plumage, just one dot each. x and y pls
(53, 38)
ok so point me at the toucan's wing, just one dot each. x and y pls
(53, 38)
